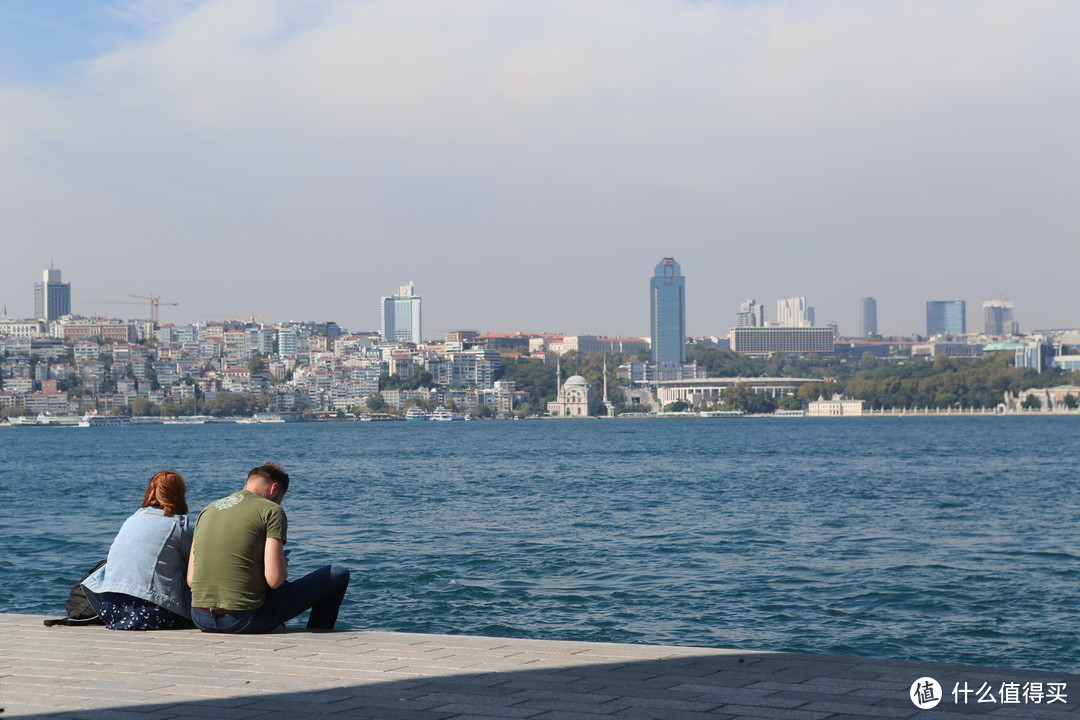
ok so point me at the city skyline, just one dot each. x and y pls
(400, 314)
(240, 157)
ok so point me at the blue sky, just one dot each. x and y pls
(528, 163)
(41, 41)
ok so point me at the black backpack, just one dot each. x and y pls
(83, 604)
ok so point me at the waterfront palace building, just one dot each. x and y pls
(709, 390)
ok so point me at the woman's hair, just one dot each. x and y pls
(167, 491)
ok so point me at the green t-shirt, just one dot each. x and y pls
(230, 539)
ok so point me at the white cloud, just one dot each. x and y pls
(822, 135)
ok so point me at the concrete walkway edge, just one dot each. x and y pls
(90, 673)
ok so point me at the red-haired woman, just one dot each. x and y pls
(143, 585)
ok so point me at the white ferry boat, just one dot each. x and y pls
(442, 414)
(277, 417)
(721, 413)
(379, 417)
(415, 413)
(105, 421)
(47, 420)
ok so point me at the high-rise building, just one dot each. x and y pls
(946, 317)
(794, 312)
(867, 316)
(998, 317)
(796, 340)
(667, 308)
(401, 316)
(52, 298)
(750, 314)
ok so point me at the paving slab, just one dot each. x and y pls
(78, 673)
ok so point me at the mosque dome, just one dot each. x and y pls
(576, 380)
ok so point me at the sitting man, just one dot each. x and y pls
(237, 569)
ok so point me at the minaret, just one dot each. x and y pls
(609, 407)
(603, 369)
(558, 377)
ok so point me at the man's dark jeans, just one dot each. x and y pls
(322, 591)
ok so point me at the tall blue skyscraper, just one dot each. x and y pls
(946, 317)
(52, 298)
(667, 308)
(867, 316)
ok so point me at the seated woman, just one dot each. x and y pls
(143, 585)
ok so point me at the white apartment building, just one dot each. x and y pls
(401, 320)
(794, 312)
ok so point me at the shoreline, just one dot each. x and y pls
(634, 416)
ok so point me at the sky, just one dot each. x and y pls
(528, 162)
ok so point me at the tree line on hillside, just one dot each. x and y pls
(942, 382)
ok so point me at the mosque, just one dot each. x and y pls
(574, 398)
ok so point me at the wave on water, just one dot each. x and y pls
(908, 538)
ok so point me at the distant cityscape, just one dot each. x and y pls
(60, 362)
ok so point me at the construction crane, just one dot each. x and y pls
(153, 300)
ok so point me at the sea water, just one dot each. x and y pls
(945, 539)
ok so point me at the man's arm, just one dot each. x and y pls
(274, 565)
(191, 565)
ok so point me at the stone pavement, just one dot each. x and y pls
(90, 672)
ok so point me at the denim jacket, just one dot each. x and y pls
(148, 559)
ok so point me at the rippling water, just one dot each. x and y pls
(948, 539)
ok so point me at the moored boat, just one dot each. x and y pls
(90, 420)
(46, 420)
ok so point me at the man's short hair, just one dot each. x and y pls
(272, 473)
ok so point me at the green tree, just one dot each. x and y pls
(724, 363)
(945, 399)
(788, 402)
(73, 385)
(1070, 401)
(868, 362)
(531, 376)
(808, 391)
(677, 406)
(142, 407)
(226, 404)
(741, 397)
(481, 411)
(1031, 402)
(375, 402)
(419, 378)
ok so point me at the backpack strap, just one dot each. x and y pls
(72, 621)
